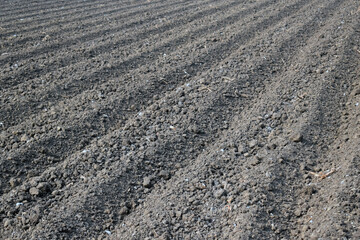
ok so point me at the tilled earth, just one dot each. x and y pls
(179, 119)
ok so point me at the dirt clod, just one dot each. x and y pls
(147, 182)
(34, 191)
(164, 174)
(179, 119)
(296, 137)
(219, 193)
(253, 143)
(124, 211)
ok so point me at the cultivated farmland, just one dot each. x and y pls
(179, 119)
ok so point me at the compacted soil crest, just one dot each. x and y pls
(179, 119)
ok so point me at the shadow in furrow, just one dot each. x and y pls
(19, 112)
(115, 15)
(321, 124)
(11, 81)
(52, 11)
(174, 78)
(164, 156)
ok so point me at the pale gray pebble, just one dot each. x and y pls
(296, 137)
(253, 143)
(147, 182)
(34, 191)
(219, 193)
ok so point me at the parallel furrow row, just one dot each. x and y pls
(138, 92)
(57, 91)
(34, 5)
(168, 147)
(278, 183)
(201, 120)
(41, 12)
(108, 13)
(111, 24)
(281, 55)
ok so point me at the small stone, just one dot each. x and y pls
(242, 188)
(254, 161)
(147, 182)
(260, 156)
(7, 222)
(178, 214)
(296, 137)
(34, 191)
(24, 138)
(55, 192)
(46, 38)
(241, 148)
(191, 199)
(276, 116)
(319, 71)
(164, 174)
(219, 193)
(13, 182)
(297, 212)
(252, 143)
(34, 218)
(124, 211)
(195, 129)
(43, 187)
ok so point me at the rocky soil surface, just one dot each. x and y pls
(179, 119)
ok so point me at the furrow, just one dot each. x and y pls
(222, 212)
(65, 20)
(56, 44)
(41, 13)
(317, 127)
(195, 120)
(106, 35)
(221, 102)
(157, 85)
(133, 61)
(211, 162)
(333, 120)
(23, 8)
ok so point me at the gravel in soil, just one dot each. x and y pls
(179, 119)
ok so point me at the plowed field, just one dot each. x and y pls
(180, 119)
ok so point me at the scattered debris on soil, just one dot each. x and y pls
(179, 119)
(323, 175)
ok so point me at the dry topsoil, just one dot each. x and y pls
(179, 119)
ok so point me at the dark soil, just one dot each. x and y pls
(179, 119)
